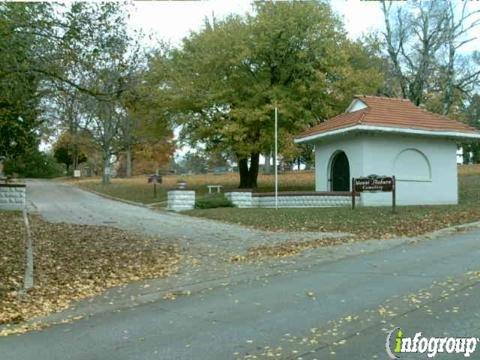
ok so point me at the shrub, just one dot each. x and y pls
(34, 164)
(213, 201)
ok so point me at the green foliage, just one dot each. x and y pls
(19, 75)
(213, 201)
(471, 150)
(34, 164)
(71, 66)
(224, 83)
(67, 151)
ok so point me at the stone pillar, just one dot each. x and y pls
(180, 200)
(12, 196)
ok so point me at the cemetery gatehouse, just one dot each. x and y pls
(389, 137)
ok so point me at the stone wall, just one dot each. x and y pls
(180, 200)
(290, 200)
(12, 196)
(241, 199)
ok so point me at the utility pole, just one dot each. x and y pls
(275, 159)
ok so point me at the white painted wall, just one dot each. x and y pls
(356, 105)
(352, 146)
(399, 155)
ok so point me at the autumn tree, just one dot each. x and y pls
(146, 136)
(69, 149)
(224, 83)
(152, 157)
(103, 59)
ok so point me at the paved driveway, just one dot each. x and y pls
(59, 202)
(348, 299)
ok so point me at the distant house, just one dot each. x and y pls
(386, 136)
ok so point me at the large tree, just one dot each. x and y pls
(223, 84)
(69, 149)
(68, 65)
(23, 43)
(100, 60)
(424, 42)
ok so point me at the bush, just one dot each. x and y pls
(213, 201)
(34, 164)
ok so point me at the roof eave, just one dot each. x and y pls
(387, 129)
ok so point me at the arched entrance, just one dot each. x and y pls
(340, 172)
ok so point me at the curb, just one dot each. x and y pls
(28, 277)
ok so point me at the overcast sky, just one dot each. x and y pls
(173, 20)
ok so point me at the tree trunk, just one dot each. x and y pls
(106, 170)
(448, 92)
(243, 170)
(129, 163)
(249, 175)
(476, 155)
(254, 162)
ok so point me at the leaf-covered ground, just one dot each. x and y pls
(288, 248)
(72, 262)
(12, 244)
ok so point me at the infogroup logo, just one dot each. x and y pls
(397, 344)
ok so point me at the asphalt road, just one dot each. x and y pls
(339, 309)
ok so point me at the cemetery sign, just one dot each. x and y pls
(373, 183)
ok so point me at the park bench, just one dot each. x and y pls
(218, 187)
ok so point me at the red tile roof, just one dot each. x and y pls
(390, 112)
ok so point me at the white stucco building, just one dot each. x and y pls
(385, 136)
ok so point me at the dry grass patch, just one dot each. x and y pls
(73, 262)
(473, 169)
(137, 188)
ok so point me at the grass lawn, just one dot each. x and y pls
(363, 222)
(137, 188)
(71, 262)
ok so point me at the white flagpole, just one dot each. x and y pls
(275, 159)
